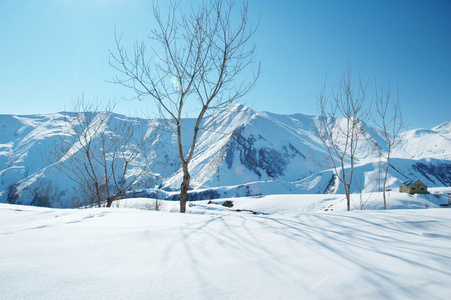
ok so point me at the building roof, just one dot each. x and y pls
(410, 182)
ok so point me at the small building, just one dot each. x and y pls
(413, 186)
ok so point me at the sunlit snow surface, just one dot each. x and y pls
(290, 249)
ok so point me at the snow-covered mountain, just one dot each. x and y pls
(243, 152)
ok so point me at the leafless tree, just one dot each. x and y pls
(364, 198)
(44, 193)
(341, 127)
(105, 155)
(389, 123)
(197, 65)
(13, 195)
(82, 197)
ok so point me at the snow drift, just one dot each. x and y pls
(215, 254)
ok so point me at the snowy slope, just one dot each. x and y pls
(269, 153)
(216, 254)
(24, 145)
(256, 147)
(426, 143)
(244, 152)
(25, 152)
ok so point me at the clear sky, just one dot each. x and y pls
(53, 51)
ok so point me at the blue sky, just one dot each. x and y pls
(53, 51)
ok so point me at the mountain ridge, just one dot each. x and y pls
(244, 152)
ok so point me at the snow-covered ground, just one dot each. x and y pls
(290, 249)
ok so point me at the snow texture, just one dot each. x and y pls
(275, 247)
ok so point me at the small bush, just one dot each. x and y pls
(45, 193)
(228, 203)
(13, 194)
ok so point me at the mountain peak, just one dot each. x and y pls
(238, 107)
(443, 127)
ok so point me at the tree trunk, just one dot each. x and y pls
(348, 197)
(184, 192)
(385, 181)
(346, 186)
(99, 200)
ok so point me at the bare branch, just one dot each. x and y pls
(202, 68)
(99, 150)
(388, 121)
(341, 127)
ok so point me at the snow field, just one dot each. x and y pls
(216, 253)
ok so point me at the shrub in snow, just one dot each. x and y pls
(228, 203)
(13, 194)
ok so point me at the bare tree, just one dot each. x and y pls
(389, 123)
(200, 69)
(82, 197)
(364, 198)
(13, 196)
(341, 128)
(45, 193)
(105, 155)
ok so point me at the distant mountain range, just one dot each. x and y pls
(248, 153)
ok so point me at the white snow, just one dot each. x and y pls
(300, 245)
(295, 251)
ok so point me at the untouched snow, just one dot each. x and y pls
(214, 252)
